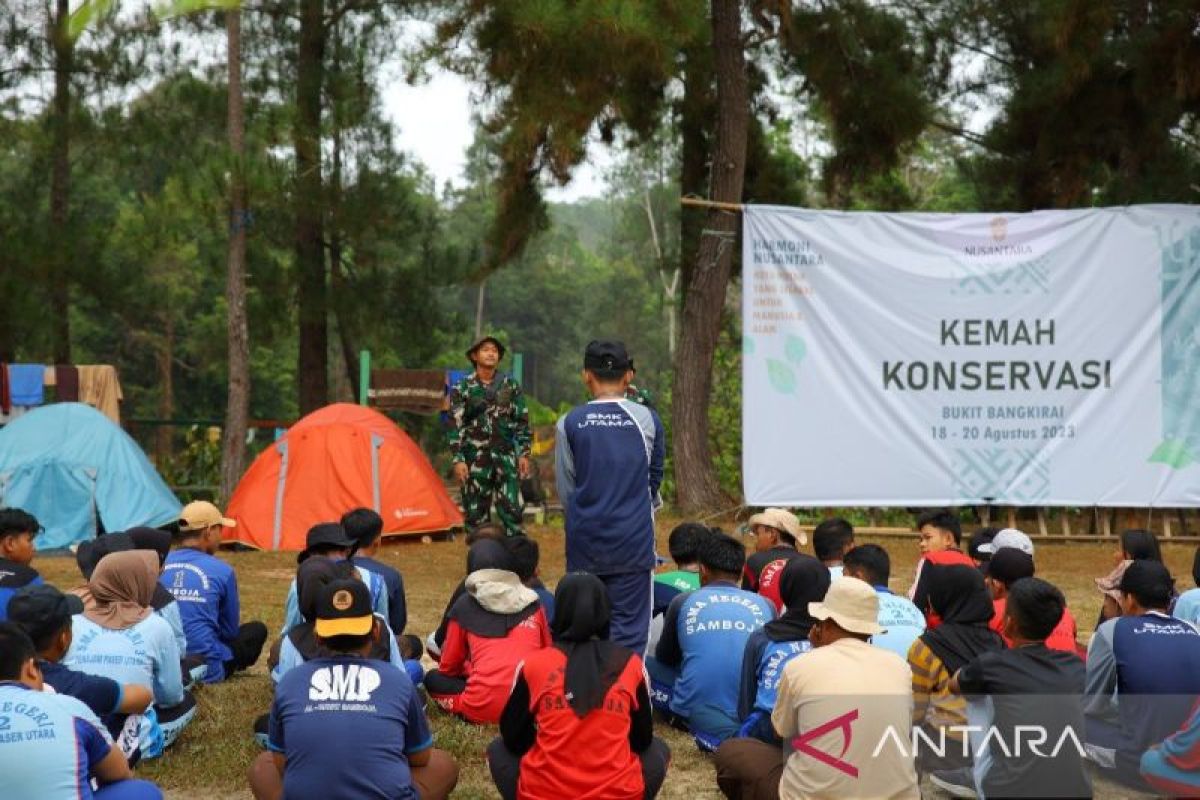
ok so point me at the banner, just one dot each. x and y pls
(1050, 358)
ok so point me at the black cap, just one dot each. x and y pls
(1149, 581)
(344, 609)
(325, 534)
(481, 343)
(1008, 565)
(42, 609)
(606, 355)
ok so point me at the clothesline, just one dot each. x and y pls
(23, 386)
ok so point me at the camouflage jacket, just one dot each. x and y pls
(636, 394)
(486, 416)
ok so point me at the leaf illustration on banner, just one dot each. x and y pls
(795, 349)
(1174, 453)
(783, 377)
(747, 346)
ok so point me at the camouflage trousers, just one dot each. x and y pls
(493, 478)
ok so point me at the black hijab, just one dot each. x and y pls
(313, 575)
(89, 553)
(804, 580)
(959, 596)
(488, 554)
(580, 629)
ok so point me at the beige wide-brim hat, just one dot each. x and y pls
(781, 520)
(852, 604)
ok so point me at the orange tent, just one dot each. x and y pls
(340, 457)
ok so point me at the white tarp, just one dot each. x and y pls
(1050, 358)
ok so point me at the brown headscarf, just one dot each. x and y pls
(121, 588)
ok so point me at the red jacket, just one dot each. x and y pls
(1061, 638)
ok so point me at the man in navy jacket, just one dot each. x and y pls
(609, 465)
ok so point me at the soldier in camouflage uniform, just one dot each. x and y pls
(490, 439)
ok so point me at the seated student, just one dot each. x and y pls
(88, 555)
(17, 531)
(777, 534)
(1006, 567)
(695, 672)
(329, 539)
(959, 597)
(206, 589)
(1134, 545)
(902, 622)
(979, 539)
(804, 580)
(54, 747)
(825, 689)
(1187, 607)
(579, 715)
(493, 625)
(525, 554)
(941, 535)
(44, 613)
(1029, 686)
(345, 726)
(832, 539)
(1140, 667)
(684, 546)
(118, 636)
(365, 527)
(1173, 767)
(300, 644)
(486, 551)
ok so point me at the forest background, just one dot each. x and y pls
(213, 200)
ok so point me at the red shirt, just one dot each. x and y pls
(490, 664)
(573, 758)
(1061, 638)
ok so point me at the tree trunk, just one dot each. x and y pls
(60, 187)
(237, 408)
(695, 479)
(163, 449)
(309, 232)
(696, 113)
(339, 292)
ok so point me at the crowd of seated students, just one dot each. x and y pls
(804, 676)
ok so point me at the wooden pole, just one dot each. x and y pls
(698, 202)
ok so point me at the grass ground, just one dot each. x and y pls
(211, 757)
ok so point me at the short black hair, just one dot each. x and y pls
(1141, 545)
(1196, 567)
(981, 536)
(873, 560)
(607, 375)
(1149, 582)
(722, 553)
(346, 643)
(16, 648)
(524, 554)
(488, 530)
(831, 537)
(14, 521)
(326, 548)
(944, 518)
(684, 542)
(362, 525)
(42, 639)
(1036, 606)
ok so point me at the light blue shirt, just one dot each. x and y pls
(1187, 607)
(170, 613)
(289, 656)
(144, 653)
(901, 620)
(374, 581)
(49, 744)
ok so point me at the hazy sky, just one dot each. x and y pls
(435, 125)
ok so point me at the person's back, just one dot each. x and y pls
(712, 624)
(365, 527)
(346, 726)
(610, 447)
(144, 653)
(205, 589)
(901, 620)
(583, 758)
(838, 702)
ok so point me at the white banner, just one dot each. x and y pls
(1050, 358)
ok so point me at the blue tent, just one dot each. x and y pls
(66, 463)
